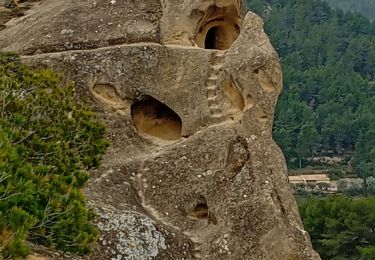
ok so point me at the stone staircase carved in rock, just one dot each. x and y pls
(214, 86)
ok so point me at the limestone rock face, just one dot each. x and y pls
(188, 89)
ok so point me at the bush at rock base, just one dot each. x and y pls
(48, 141)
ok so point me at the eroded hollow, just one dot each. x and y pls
(239, 101)
(200, 211)
(108, 95)
(265, 80)
(234, 95)
(219, 28)
(153, 118)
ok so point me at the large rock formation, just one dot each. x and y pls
(188, 89)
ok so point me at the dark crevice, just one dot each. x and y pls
(201, 211)
(210, 42)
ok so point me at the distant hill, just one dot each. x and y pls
(365, 7)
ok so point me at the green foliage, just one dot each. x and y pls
(328, 61)
(341, 228)
(48, 141)
(336, 173)
(364, 7)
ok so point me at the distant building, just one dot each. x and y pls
(313, 182)
(310, 179)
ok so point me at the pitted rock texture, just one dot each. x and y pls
(188, 89)
(53, 26)
(131, 231)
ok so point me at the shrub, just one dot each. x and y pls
(48, 141)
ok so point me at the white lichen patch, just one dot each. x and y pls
(132, 235)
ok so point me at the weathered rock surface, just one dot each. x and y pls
(188, 89)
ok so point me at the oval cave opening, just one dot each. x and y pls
(218, 38)
(219, 28)
(153, 118)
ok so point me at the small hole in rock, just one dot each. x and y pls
(237, 28)
(256, 71)
(153, 118)
(200, 211)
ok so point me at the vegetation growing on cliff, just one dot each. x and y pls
(341, 228)
(47, 143)
(328, 61)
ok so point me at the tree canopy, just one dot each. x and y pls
(364, 7)
(341, 228)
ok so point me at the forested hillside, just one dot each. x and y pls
(365, 7)
(328, 102)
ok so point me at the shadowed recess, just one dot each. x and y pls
(219, 28)
(199, 211)
(234, 95)
(153, 118)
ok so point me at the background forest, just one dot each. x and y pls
(328, 61)
(365, 7)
